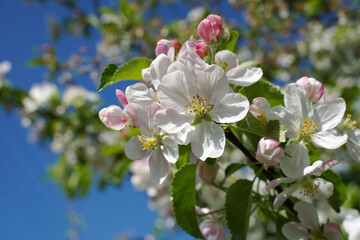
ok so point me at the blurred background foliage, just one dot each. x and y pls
(289, 39)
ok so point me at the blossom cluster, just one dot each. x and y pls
(189, 96)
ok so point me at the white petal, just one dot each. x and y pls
(332, 231)
(281, 197)
(138, 117)
(354, 150)
(170, 149)
(113, 117)
(184, 137)
(146, 75)
(188, 54)
(328, 139)
(291, 120)
(329, 114)
(276, 182)
(171, 121)
(232, 108)
(295, 231)
(133, 150)
(139, 93)
(354, 136)
(315, 168)
(244, 76)
(294, 165)
(159, 167)
(208, 141)
(296, 100)
(227, 57)
(307, 215)
(325, 189)
(158, 69)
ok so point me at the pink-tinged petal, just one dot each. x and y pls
(166, 47)
(297, 101)
(177, 44)
(329, 139)
(261, 109)
(354, 150)
(332, 231)
(113, 117)
(159, 167)
(138, 117)
(295, 231)
(212, 84)
(208, 140)
(188, 54)
(212, 230)
(295, 160)
(153, 108)
(269, 151)
(330, 163)
(307, 215)
(232, 108)
(329, 114)
(228, 58)
(281, 197)
(139, 93)
(176, 90)
(244, 76)
(325, 189)
(170, 149)
(171, 121)
(122, 98)
(208, 172)
(133, 149)
(158, 69)
(202, 49)
(314, 88)
(276, 182)
(291, 121)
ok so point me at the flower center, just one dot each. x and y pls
(148, 143)
(309, 188)
(348, 123)
(262, 118)
(223, 65)
(317, 235)
(198, 106)
(308, 127)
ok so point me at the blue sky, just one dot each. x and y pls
(30, 206)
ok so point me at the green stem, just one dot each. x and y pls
(213, 212)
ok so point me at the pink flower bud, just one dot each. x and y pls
(259, 108)
(208, 172)
(332, 230)
(212, 230)
(210, 29)
(202, 49)
(269, 151)
(113, 117)
(164, 46)
(314, 88)
(122, 98)
(177, 44)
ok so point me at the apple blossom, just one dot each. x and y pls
(166, 47)
(208, 172)
(291, 166)
(261, 109)
(210, 29)
(202, 49)
(309, 226)
(212, 230)
(5, 67)
(156, 71)
(348, 127)
(269, 151)
(177, 44)
(351, 225)
(113, 117)
(312, 123)
(199, 99)
(153, 145)
(314, 88)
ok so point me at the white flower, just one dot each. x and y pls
(314, 123)
(5, 67)
(153, 145)
(296, 168)
(158, 68)
(199, 100)
(309, 220)
(348, 127)
(40, 95)
(76, 95)
(351, 225)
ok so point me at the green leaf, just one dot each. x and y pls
(107, 76)
(238, 206)
(275, 129)
(263, 88)
(233, 168)
(184, 155)
(339, 194)
(228, 40)
(125, 8)
(131, 70)
(183, 193)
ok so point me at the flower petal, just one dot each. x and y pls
(307, 215)
(329, 139)
(138, 117)
(297, 101)
(332, 231)
(329, 114)
(159, 167)
(295, 231)
(325, 189)
(354, 136)
(232, 108)
(139, 93)
(291, 121)
(113, 117)
(158, 69)
(354, 150)
(133, 149)
(276, 182)
(244, 76)
(227, 57)
(295, 160)
(281, 197)
(170, 149)
(171, 121)
(208, 140)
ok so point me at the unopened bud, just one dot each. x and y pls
(177, 44)
(122, 98)
(208, 172)
(164, 46)
(259, 108)
(113, 117)
(269, 151)
(202, 49)
(314, 88)
(210, 29)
